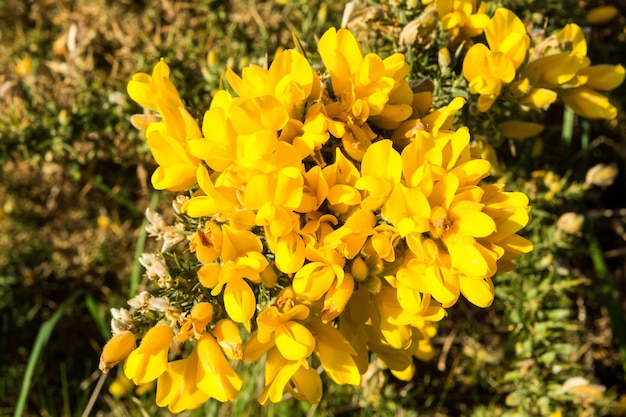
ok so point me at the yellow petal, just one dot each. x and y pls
(294, 341)
(215, 375)
(307, 384)
(239, 301)
(475, 62)
(603, 77)
(479, 292)
(589, 103)
(335, 354)
(477, 224)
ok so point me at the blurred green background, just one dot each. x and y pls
(74, 184)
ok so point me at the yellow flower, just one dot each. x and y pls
(207, 243)
(341, 178)
(315, 278)
(367, 87)
(177, 386)
(205, 373)
(226, 333)
(335, 353)
(381, 169)
(290, 79)
(296, 377)
(273, 195)
(337, 297)
(241, 258)
(488, 69)
(215, 376)
(293, 340)
(194, 325)
(167, 139)
(462, 17)
(149, 360)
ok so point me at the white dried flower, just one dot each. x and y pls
(140, 301)
(178, 202)
(155, 266)
(161, 304)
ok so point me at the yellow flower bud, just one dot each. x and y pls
(116, 350)
(359, 269)
(519, 130)
(600, 15)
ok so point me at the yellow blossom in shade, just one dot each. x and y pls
(335, 353)
(603, 77)
(296, 377)
(519, 130)
(207, 243)
(121, 386)
(193, 326)
(462, 17)
(589, 103)
(149, 360)
(600, 15)
(215, 376)
(116, 350)
(177, 386)
(227, 334)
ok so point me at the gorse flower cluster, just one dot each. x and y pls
(536, 75)
(328, 218)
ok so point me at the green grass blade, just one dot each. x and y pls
(135, 274)
(40, 342)
(608, 292)
(97, 317)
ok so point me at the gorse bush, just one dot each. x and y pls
(329, 213)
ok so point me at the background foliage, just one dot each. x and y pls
(74, 186)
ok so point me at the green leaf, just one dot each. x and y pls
(40, 342)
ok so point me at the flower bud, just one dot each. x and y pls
(601, 175)
(570, 223)
(116, 350)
